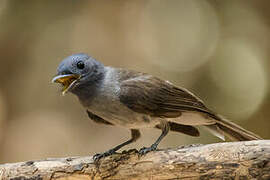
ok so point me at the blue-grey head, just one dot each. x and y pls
(78, 72)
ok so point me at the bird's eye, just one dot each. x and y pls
(80, 65)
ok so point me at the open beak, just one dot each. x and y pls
(67, 80)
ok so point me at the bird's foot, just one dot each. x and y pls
(146, 150)
(97, 157)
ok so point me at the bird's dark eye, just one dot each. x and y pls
(80, 65)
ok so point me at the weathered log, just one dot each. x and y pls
(232, 160)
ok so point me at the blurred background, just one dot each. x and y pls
(219, 50)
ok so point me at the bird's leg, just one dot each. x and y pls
(164, 126)
(135, 134)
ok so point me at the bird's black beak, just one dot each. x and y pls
(67, 80)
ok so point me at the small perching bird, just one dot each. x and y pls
(136, 100)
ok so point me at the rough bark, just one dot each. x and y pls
(233, 160)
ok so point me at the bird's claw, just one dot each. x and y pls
(146, 150)
(97, 157)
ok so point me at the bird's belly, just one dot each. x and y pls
(192, 118)
(120, 115)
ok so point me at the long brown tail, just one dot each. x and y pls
(231, 130)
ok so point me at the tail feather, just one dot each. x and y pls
(231, 130)
(188, 130)
(185, 129)
(214, 129)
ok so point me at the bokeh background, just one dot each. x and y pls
(220, 50)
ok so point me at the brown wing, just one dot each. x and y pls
(150, 95)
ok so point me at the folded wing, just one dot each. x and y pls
(158, 98)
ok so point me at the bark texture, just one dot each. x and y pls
(233, 160)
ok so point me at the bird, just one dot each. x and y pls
(136, 100)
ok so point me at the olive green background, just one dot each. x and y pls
(220, 50)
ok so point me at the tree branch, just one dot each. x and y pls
(233, 160)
